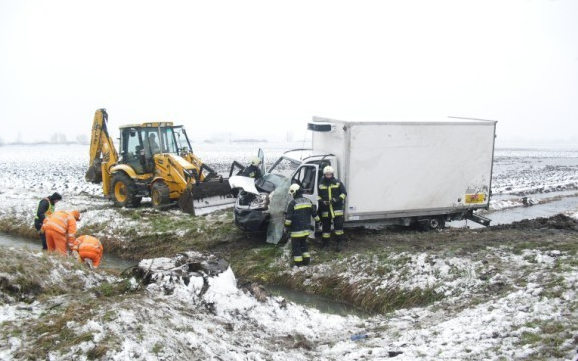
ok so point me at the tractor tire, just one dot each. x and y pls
(124, 191)
(160, 195)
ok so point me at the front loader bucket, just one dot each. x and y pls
(211, 188)
(186, 202)
(202, 190)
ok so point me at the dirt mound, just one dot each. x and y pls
(558, 221)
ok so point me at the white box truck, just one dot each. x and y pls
(423, 172)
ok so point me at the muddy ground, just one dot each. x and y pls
(541, 231)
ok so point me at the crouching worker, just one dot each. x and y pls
(298, 216)
(60, 231)
(88, 250)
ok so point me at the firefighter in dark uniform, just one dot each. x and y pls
(46, 207)
(253, 170)
(331, 197)
(298, 216)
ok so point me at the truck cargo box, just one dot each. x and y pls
(405, 168)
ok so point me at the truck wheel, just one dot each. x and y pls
(433, 224)
(160, 195)
(124, 191)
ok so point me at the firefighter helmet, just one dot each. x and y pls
(293, 189)
(328, 170)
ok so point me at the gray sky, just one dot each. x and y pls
(254, 68)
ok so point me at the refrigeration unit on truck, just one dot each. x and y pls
(421, 172)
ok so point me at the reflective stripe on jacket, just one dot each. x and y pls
(298, 216)
(88, 245)
(41, 213)
(331, 189)
(63, 223)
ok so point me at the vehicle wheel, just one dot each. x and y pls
(124, 191)
(160, 195)
(433, 224)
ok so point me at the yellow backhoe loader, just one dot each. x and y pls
(156, 160)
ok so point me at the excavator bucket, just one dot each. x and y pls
(90, 175)
(94, 173)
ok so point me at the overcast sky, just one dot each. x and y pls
(254, 68)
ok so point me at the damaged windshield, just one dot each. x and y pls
(284, 166)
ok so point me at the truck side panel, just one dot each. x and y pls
(407, 168)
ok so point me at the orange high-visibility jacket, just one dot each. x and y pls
(63, 223)
(88, 246)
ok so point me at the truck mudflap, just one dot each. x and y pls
(478, 219)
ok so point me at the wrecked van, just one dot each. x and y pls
(423, 172)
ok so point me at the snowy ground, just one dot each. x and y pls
(30, 172)
(231, 324)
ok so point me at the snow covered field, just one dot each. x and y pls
(30, 172)
(237, 326)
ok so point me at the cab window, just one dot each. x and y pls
(305, 177)
(284, 166)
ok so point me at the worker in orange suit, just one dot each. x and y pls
(89, 250)
(60, 230)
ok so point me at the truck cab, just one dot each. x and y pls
(256, 205)
(309, 172)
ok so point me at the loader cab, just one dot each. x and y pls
(140, 143)
(132, 149)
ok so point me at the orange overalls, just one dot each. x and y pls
(60, 230)
(89, 247)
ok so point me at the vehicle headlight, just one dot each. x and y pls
(260, 202)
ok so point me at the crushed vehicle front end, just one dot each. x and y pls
(252, 211)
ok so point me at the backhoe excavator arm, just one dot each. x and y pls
(102, 152)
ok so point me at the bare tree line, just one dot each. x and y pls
(56, 138)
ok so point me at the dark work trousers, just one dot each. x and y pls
(326, 228)
(38, 225)
(300, 251)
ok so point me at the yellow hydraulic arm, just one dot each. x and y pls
(103, 154)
